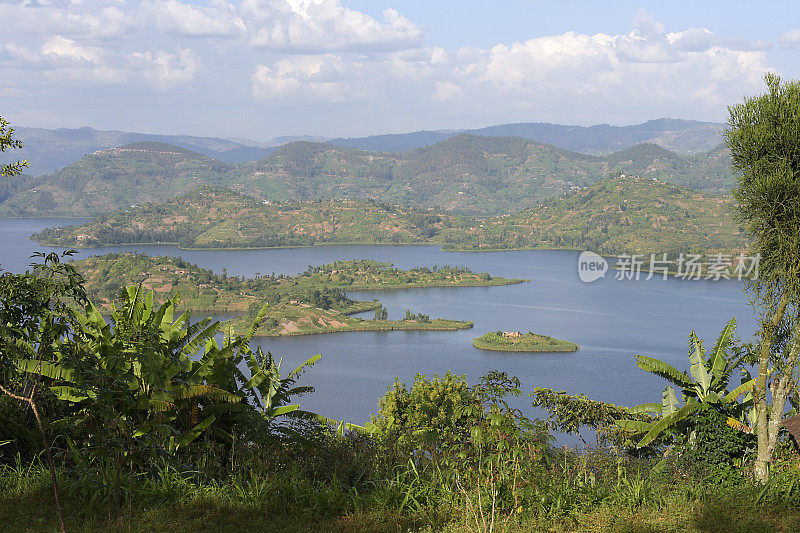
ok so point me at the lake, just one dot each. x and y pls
(610, 319)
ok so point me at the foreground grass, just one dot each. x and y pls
(174, 504)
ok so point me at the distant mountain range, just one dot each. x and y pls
(49, 150)
(685, 137)
(465, 174)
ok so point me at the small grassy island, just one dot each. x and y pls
(514, 341)
(311, 302)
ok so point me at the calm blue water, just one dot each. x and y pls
(611, 320)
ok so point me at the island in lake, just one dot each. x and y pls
(311, 302)
(514, 341)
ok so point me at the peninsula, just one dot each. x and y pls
(311, 302)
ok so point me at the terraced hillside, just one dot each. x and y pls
(218, 218)
(622, 214)
(471, 175)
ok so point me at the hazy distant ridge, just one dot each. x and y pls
(685, 137)
(49, 150)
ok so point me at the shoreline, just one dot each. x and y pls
(467, 324)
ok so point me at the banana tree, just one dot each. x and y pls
(134, 384)
(706, 383)
(257, 376)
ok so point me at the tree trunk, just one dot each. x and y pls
(32, 404)
(764, 425)
(763, 457)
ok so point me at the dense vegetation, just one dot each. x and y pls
(518, 342)
(219, 218)
(468, 175)
(114, 178)
(49, 150)
(622, 214)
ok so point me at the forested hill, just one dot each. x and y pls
(686, 137)
(113, 179)
(471, 175)
(218, 218)
(468, 175)
(623, 214)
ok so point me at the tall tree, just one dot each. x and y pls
(7, 142)
(763, 135)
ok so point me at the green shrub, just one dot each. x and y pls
(715, 445)
(429, 414)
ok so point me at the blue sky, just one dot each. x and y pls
(264, 68)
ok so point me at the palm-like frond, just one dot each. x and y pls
(189, 436)
(48, 369)
(698, 370)
(654, 408)
(211, 392)
(666, 423)
(718, 359)
(307, 363)
(669, 401)
(635, 426)
(256, 322)
(341, 425)
(664, 370)
(739, 426)
(744, 388)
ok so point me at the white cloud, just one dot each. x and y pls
(64, 48)
(638, 68)
(446, 90)
(92, 19)
(791, 38)
(14, 55)
(165, 70)
(219, 20)
(323, 26)
(260, 54)
(302, 77)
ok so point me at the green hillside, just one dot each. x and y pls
(116, 178)
(623, 214)
(626, 213)
(467, 175)
(218, 218)
(471, 175)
